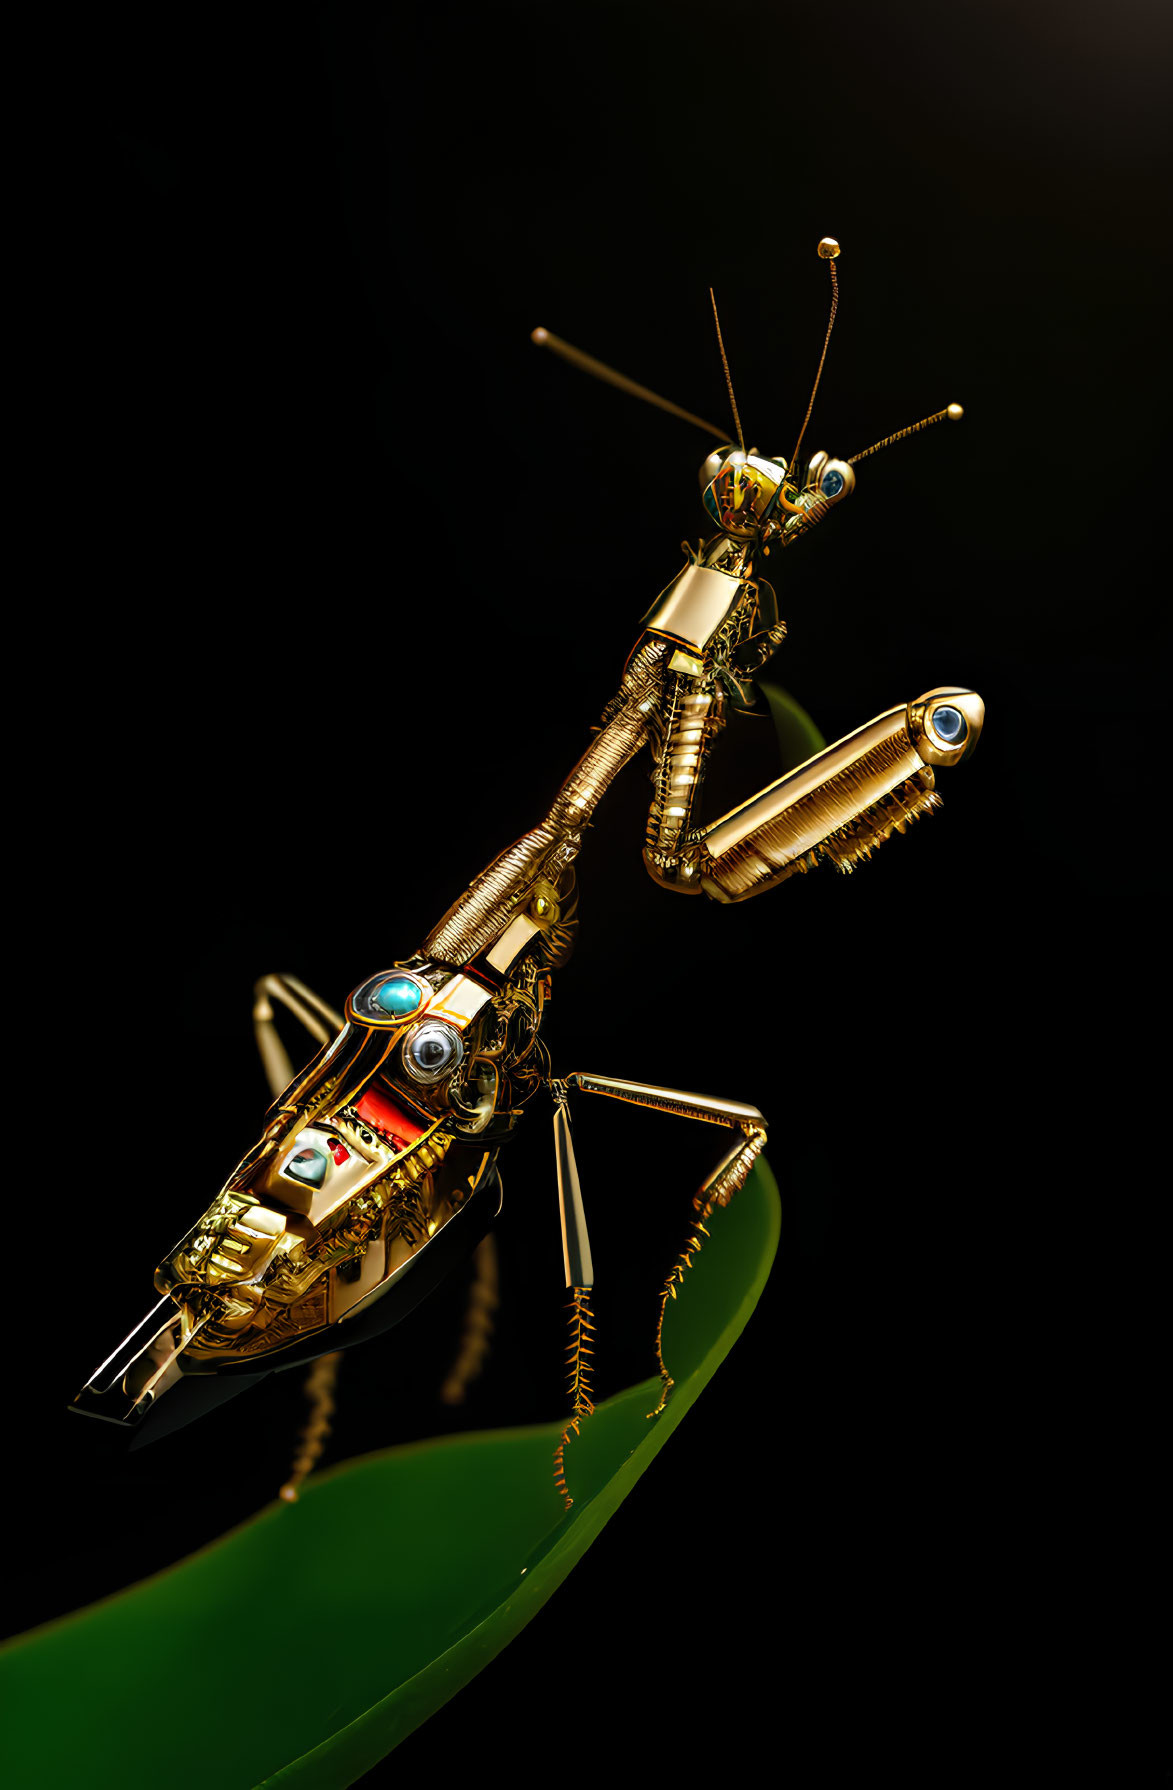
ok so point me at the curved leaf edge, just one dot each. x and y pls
(359, 1743)
(415, 1698)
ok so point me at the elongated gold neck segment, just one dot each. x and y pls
(586, 363)
(728, 376)
(952, 412)
(828, 251)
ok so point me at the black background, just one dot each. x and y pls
(338, 573)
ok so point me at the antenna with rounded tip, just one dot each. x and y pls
(599, 370)
(954, 413)
(828, 251)
(728, 379)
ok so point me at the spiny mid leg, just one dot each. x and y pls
(727, 1178)
(579, 1366)
(683, 1262)
(718, 1189)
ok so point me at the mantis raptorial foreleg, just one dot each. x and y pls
(839, 806)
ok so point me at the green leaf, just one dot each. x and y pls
(798, 736)
(302, 1647)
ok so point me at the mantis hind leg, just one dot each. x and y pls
(320, 1385)
(318, 1019)
(477, 1336)
(321, 1022)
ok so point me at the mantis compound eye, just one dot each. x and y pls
(714, 463)
(431, 1051)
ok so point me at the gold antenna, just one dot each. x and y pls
(828, 250)
(728, 381)
(599, 370)
(954, 413)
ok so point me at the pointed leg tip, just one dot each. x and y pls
(669, 1383)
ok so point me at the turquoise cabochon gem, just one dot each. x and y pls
(398, 995)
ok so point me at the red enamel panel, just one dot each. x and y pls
(384, 1115)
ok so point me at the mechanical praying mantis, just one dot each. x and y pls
(377, 1171)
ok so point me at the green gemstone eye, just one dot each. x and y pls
(398, 996)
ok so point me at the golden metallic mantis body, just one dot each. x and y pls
(377, 1169)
